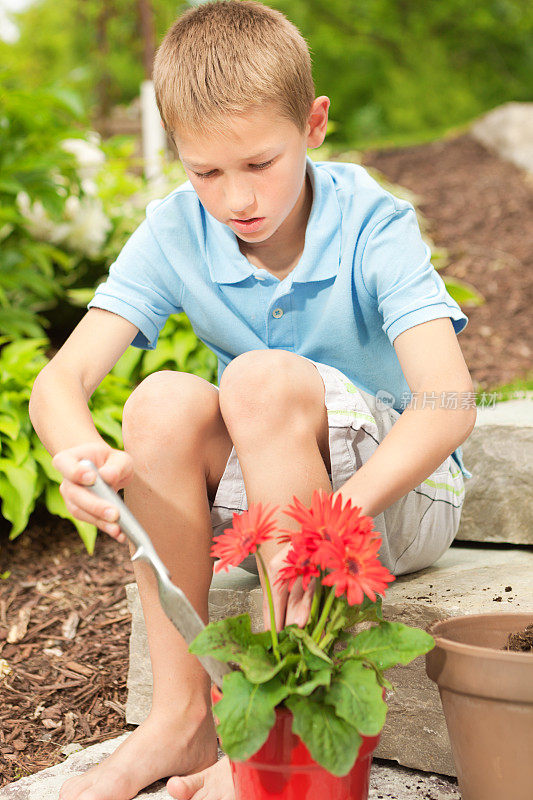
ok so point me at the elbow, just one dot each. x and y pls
(468, 421)
(35, 397)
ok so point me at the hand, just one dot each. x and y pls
(116, 469)
(289, 607)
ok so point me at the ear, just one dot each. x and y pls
(318, 120)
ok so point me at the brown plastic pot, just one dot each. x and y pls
(487, 697)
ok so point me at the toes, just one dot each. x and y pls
(89, 794)
(185, 787)
(213, 783)
(70, 789)
(67, 789)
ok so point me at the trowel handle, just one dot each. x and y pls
(127, 522)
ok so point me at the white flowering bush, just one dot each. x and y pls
(84, 226)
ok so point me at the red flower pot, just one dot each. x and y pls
(283, 768)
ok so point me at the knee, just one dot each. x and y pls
(264, 385)
(169, 406)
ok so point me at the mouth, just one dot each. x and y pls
(250, 224)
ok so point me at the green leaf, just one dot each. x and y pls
(320, 678)
(297, 633)
(332, 742)
(357, 698)
(17, 490)
(44, 459)
(389, 643)
(246, 714)
(10, 426)
(367, 611)
(128, 362)
(106, 424)
(231, 639)
(56, 505)
(80, 297)
(462, 292)
(18, 449)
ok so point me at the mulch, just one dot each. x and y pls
(64, 625)
(64, 629)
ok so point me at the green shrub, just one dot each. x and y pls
(26, 472)
(33, 165)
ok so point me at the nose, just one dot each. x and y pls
(239, 197)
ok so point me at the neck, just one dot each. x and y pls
(283, 249)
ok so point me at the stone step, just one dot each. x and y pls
(465, 580)
(386, 780)
(498, 505)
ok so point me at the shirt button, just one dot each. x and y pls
(278, 312)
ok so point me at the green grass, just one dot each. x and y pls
(518, 388)
(398, 140)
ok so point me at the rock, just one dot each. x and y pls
(465, 580)
(230, 594)
(69, 749)
(498, 503)
(386, 780)
(508, 131)
(398, 783)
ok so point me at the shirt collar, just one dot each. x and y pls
(321, 256)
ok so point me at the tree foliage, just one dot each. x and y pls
(393, 68)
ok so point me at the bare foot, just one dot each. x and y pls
(156, 749)
(213, 783)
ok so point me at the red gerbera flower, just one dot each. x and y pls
(298, 563)
(354, 568)
(248, 532)
(322, 523)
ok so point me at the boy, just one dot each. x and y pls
(312, 285)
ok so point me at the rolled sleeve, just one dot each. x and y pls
(397, 272)
(142, 287)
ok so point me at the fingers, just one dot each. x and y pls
(107, 527)
(299, 603)
(117, 470)
(115, 467)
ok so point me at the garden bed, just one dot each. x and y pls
(69, 663)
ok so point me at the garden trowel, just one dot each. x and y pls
(174, 602)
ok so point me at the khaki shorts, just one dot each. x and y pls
(416, 530)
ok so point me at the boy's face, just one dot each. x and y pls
(255, 173)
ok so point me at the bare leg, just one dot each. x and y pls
(273, 404)
(282, 440)
(174, 432)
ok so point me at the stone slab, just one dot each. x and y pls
(506, 130)
(498, 505)
(386, 780)
(465, 580)
(231, 593)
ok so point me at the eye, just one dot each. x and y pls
(205, 175)
(264, 165)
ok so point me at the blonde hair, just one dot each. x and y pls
(231, 57)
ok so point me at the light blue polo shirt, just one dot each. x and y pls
(364, 277)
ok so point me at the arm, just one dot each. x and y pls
(60, 415)
(423, 437)
(58, 404)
